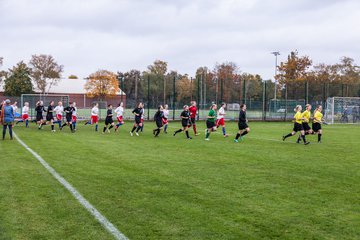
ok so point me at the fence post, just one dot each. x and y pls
(286, 96)
(306, 92)
(148, 98)
(174, 92)
(263, 98)
(244, 91)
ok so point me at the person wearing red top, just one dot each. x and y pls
(193, 110)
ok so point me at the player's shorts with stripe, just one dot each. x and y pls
(94, 119)
(25, 116)
(242, 125)
(298, 127)
(306, 126)
(316, 127)
(58, 117)
(220, 122)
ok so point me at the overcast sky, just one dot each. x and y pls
(88, 35)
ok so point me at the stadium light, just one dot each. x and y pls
(276, 54)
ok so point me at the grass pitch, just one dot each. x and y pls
(174, 188)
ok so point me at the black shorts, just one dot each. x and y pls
(108, 121)
(298, 127)
(49, 118)
(39, 118)
(242, 125)
(316, 127)
(68, 119)
(210, 124)
(137, 120)
(159, 124)
(192, 121)
(185, 123)
(306, 126)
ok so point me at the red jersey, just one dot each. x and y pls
(192, 111)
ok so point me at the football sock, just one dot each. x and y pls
(138, 128)
(187, 134)
(157, 132)
(194, 128)
(289, 135)
(71, 127)
(165, 128)
(178, 131)
(244, 133)
(133, 129)
(111, 126)
(52, 127)
(64, 125)
(26, 123)
(303, 137)
(319, 137)
(74, 125)
(96, 127)
(19, 121)
(224, 131)
(104, 129)
(207, 134)
(237, 136)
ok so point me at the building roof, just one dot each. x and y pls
(67, 86)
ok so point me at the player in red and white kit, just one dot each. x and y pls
(119, 115)
(220, 121)
(193, 112)
(25, 114)
(94, 116)
(74, 116)
(59, 109)
(165, 117)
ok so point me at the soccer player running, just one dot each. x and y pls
(7, 118)
(221, 119)
(306, 116)
(39, 109)
(59, 109)
(25, 115)
(109, 119)
(166, 117)
(138, 112)
(210, 121)
(185, 122)
(159, 115)
(298, 127)
(68, 116)
(193, 111)
(119, 115)
(242, 124)
(94, 116)
(50, 116)
(74, 116)
(317, 121)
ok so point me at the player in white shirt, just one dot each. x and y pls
(119, 115)
(25, 114)
(59, 109)
(220, 121)
(94, 116)
(74, 116)
(166, 117)
(15, 107)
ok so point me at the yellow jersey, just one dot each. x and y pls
(318, 117)
(306, 115)
(298, 117)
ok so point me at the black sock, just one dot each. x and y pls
(303, 137)
(289, 135)
(64, 125)
(111, 127)
(157, 132)
(180, 130)
(244, 133)
(104, 129)
(237, 136)
(187, 134)
(71, 127)
(4, 131)
(299, 138)
(138, 128)
(306, 133)
(133, 129)
(52, 127)
(319, 137)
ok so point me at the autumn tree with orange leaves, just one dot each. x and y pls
(102, 84)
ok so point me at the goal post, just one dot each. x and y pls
(342, 110)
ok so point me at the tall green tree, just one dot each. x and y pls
(18, 82)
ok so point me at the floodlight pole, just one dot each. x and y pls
(276, 54)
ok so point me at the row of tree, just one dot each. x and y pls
(297, 78)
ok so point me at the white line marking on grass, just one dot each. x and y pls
(85, 203)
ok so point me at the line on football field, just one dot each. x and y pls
(85, 203)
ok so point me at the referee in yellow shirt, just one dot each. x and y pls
(318, 119)
(298, 127)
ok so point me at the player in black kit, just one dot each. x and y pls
(69, 111)
(243, 126)
(109, 119)
(185, 122)
(138, 112)
(50, 116)
(39, 109)
(159, 115)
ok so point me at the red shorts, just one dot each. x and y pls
(58, 117)
(73, 118)
(142, 120)
(220, 122)
(165, 121)
(94, 119)
(120, 119)
(25, 116)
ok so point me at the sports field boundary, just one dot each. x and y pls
(85, 203)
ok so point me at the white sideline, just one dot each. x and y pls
(85, 203)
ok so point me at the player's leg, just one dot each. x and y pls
(10, 131)
(4, 131)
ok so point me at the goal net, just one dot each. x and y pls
(32, 99)
(342, 110)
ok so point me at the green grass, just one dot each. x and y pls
(173, 188)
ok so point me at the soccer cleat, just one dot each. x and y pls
(207, 139)
(153, 132)
(236, 141)
(53, 130)
(306, 143)
(319, 141)
(225, 136)
(197, 134)
(174, 133)
(131, 134)
(189, 138)
(136, 133)
(283, 138)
